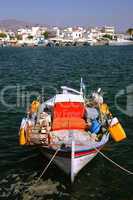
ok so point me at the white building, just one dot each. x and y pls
(35, 31)
(24, 31)
(95, 32)
(110, 30)
(70, 33)
(57, 32)
(92, 34)
(77, 34)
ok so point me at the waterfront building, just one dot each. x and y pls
(35, 31)
(23, 31)
(77, 34)
(109, 30)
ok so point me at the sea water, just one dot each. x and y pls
(27, 72)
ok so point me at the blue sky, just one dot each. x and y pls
(70, 12)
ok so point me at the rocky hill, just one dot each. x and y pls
(13, 24)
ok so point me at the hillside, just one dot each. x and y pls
(12, 24)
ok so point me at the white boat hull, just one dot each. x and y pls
(71, 166)
(62, 162)
(71, 160)
(80, 162)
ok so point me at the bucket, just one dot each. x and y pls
(116, 130)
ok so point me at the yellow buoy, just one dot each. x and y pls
(22, 139)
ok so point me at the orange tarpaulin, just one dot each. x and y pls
(69, 109)
(68, 123)
(68, 115)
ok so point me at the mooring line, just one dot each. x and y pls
(45, 169)
(116, 164)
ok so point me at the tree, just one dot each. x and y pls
(19, 37)
(12, 37)
(30, 37)
(49, 34)
(130, 31)
(108, 36)
(46, 34)
(3, 35)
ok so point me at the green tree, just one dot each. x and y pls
(46, 34)
(12, 37)
(19, 37)
(3, 35)
(130, 31)
(30, 37)
(108, 36)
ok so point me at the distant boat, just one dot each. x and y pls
(71, 125)
(120, 42)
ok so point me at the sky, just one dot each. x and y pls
(70, 12)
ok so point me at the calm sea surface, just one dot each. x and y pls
(26, 70)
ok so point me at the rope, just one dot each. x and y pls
(45, 169)
(116, 164)
(106, 157)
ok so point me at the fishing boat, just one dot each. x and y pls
(70, 127)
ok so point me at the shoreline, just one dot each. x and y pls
(67, 44)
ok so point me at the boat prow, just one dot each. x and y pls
(73, 156)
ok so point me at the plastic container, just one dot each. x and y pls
(116, 130)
